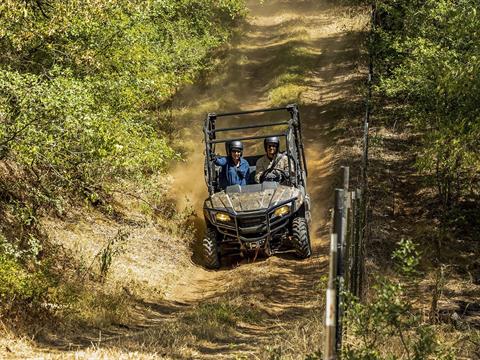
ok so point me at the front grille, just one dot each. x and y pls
(251, 221)
(252, 226)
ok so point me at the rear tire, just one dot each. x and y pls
(211, 256)
(301, 238)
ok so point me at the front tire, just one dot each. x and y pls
(211, 256)
(301, 238)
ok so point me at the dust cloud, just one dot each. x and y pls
(189, 186)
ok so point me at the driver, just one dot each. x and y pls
(273, 166)
(235, 169)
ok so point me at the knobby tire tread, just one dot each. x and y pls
(210, 250)
(301, 238)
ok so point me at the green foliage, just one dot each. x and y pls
(82, 87)
(428, 56)
(19, 286)
(407, 258)
(13, 250)
(60, 129)
(387, 327)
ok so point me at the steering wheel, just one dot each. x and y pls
(285, 176)
(277, 175)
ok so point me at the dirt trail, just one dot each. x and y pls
(308, 51)
(304, 51)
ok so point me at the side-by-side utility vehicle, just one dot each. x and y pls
(268, 216)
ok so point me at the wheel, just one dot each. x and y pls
(210, 249)
(301, 238)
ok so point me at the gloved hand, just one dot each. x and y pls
(213, 157)
(271, 177)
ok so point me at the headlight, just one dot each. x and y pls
(222, 217)
(282, 210)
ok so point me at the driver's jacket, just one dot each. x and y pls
(264, 163)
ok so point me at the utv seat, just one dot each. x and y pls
(252, 161)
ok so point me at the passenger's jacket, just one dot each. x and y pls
(265, 163)
(231, 174)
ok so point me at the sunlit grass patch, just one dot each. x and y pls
(91, 306)
(285, 94)
(226, 313)
(288, 78)
(217, 319)
(290, 84)
(302, 339)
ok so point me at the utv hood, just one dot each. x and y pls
(251, 197)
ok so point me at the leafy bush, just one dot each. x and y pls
(388, 327)
(429, 63)
(21, 287)
(81, 85)
(61, 131)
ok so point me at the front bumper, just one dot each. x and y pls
(253, 228)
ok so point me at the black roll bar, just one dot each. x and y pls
(250, 126)
(293, 110)
(248, 112)
(294, 126)
(244, 138)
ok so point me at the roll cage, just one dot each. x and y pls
(293, 139)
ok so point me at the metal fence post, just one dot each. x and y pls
(345, 225)
(331, 305)
(357, 240)
(339, 230)
(353, 242)
(346, 177)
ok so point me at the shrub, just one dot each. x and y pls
(428, 60)
(388, 327)
(21, 287)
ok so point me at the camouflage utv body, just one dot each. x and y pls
(267, 217)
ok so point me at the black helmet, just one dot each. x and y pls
(234, 144)
(271, 140)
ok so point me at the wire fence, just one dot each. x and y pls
(350, 233)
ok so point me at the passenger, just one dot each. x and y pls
(273, 166)
(235, 169)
